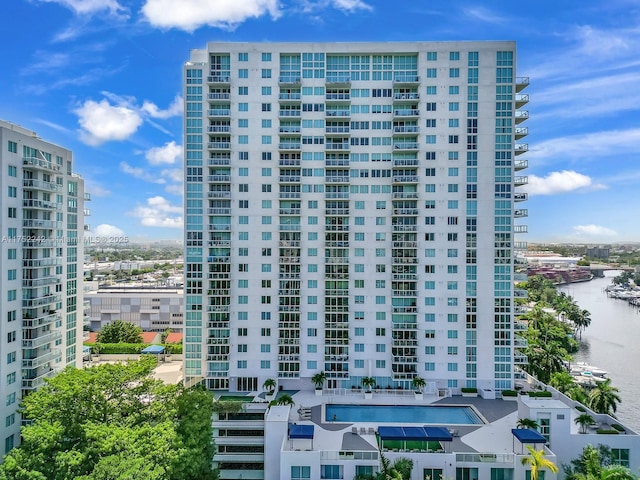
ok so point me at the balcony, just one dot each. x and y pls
(289, 97)
(36, 223)
(521, 100)
(520, 293)
(40, 360)
(289, 195)
(520, 229)
(521, 213)
(41, 185)
(289, 178)
(520, 197)
(294, 79)
(520, 359)
(289, 146)
(337, 146)
(520, 165)
(330, 130)
(521, 83)
(219, 194)
(337, 113)
(41, 204)
(410, 195)
(405, 179)
(219, 129)
(42, 339)
(219, 112)
(295, 129)
(220, 227)
(520, 246)
(41, 301)
(289, 211)
(337, 97)
(336, 80)
(219, 178)
(218, 96)
(520, 181)
(406, 112)
(219, 211)
(219, 78)
(337, 179)
(406, 129)
(521, 148)
(37, 382)
(37, 322)
(219, 145)
(40, 164)
(336, 211)
(405, 211)
(219, 162)
(521, 116)
(521, 132)
(406, 146)
(289, 162)
(405, 162)
(406, 97)
(288, 113)
(41, 282)
(405, 79)
(41, 262)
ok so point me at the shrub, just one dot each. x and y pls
(541, 394)
(131, 348)
(617, 427)
(509, 393)
(608, 431)
(580, 408)
(469, 390)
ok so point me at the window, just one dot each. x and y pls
(12, 212)
(620, 456)
(243, 73)
(266, 107)
(12, 192)
(12, 147)
(266, 56)
(331, 471)
(266, 73)
(300, 472)
(13, 171)
(243, 57)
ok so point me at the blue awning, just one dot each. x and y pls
(528, 435)
(154, 349)
(439, 434)
(301, 431)
(391, 433)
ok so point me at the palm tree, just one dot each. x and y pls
(269, 385)
(562, 381)
(604, 398)
(537, 461)
(318, 380)
(418, 384)
(584, 420)
(527, 423)
(617, 472)
(400, 470)
(282, 400)
(368, 383)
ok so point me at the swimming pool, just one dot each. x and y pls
(430, 414)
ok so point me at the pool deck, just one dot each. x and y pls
(500, 417)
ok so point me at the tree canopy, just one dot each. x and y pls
(120, 332)
(114, 422)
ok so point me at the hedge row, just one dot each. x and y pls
(130, 348)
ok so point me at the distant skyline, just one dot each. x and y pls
(103, 78)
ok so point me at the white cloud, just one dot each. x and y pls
(173, 174)
(158, 212)
(591, 145)
(190, 15)
(117, 117)
(559, 182)
(174, 110)
(351, 5)
(175, 189)
(101, 122)
(484, 15)
(89, 7)
(140, 173)
(594, 231)
(106, 230)
(169, 153)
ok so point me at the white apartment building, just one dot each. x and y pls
(351, 208)
(41, 256)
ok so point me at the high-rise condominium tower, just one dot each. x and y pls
(350, 209)
(41, 255)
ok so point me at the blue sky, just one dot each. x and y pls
(103, 78)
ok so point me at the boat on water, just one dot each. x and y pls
(589, 371)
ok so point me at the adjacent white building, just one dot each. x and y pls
(351, 208)
(154, 309)
(41, 254)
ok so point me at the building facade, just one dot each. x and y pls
(41, 263)
(154, 309)
(351, 209)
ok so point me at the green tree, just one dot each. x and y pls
(113, 422)
(418, 383)
(318, 380)
(584, 420)
(537, 461)
(269, 385)
(284, 399)
(527, 423)
(120, 332)
(595, 463)
(604, 398)
(399, 470)
(562, 381)
(368, 383)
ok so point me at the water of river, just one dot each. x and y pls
(612, 342)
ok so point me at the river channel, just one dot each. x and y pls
(612, 342)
